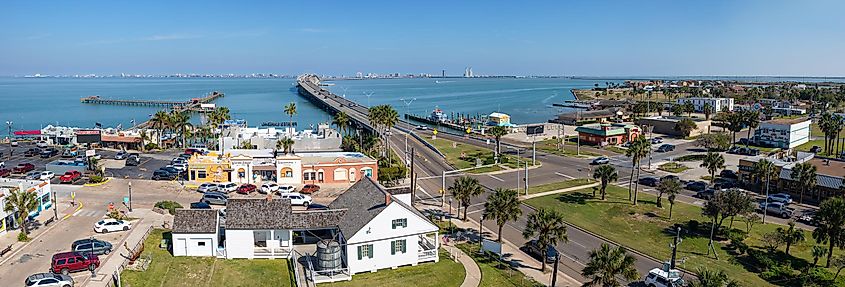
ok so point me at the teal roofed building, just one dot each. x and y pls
(607, 134)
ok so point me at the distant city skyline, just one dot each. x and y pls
(561, 38)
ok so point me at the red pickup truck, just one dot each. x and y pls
(23, 168)
(70, 176)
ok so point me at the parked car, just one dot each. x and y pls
(42, 144)
(23, 168)
(171, 169)
(600, 160)
(133, 159)
(533, 248)
(69, 153)
(14, 143)
(286, 188)
(776, 208)
(729, 174)
(200, 205)
(227, 186)
(246, 188)
(185, 156)
(48, 280)
(5, 172)
(660, 278)
(121, 155)
(111, 225)
(163, 175)
(649, 181)
(666, 148)
(780, 197)
(815, 149)
(724, 184)
(180, 166)
(670, 177)
(32, 152)
(33, 175)
(67, 262)
(91, 246)
(208, 187)
(297, 198)
(310, 188)
(656, 140)
(46, 175)
(808, 218)
(696, 185)
(49, 152)
(215, 198)
(70, 176)
(269, 187)
(752, 152)
(706, 194)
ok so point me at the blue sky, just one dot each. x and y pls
(593, 38)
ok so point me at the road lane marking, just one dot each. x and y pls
(565, 175)
(496, 178)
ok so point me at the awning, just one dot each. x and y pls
(264, 167)
(28, 133)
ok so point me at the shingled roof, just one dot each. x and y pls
(195, 221)
(363, 201)
(276, 214)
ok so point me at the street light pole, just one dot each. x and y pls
(130, 196)
(407, 107)
(55, 207)
(9, 125)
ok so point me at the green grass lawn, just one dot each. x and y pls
(645, 228)
(570, 148)
(808, 145)
(167, 270)
(559, 185)
(691, 157)
(462, 156)
(495, 273)
(673, 167)
(616, 149)
(443, 273)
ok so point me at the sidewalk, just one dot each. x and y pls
(36, 227)
(147, 219)
(473, 273)
(568, 189)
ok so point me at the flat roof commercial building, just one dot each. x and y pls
(783, 133)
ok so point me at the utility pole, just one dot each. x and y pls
(443, 190)
(675, 247)
(130, 197)
(554, 272)
(526, 177)
(11, 148)
(413, 178)
(407, 106)
(533, 150)
(55, 207)
(766, 205)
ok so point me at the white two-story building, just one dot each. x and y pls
(716, 104)
(367, 228)
(783, 133)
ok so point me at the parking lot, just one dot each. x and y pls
(113, 167)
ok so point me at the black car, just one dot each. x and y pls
(706, 194)
(172, 170)
(815, 149)
(729, 174)
(32, 152)
(666, 148)
(163, 175)
(649, 181)
(533, 249)
(98, 247)
(200, 205)
(724, 184)
(696, 185)
(49, 152)
(671, 177)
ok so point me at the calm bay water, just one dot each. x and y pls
(33, 103)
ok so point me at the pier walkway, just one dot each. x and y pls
(191, 105)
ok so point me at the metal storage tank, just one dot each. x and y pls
(328, 255)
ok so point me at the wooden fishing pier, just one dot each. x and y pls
(194, 104)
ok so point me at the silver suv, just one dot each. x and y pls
(215, 198)
(48, 279)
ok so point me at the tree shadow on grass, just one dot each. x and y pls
(575, 198)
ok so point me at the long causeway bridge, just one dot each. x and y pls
(309, 87)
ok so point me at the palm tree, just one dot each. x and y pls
(464, 189)
(734, 124)
(502, 206)
(290, 110)
(804, 174)
(341, 120)
(671, 187)
(605, 173)
(160, 121)
(708, 111)
(285, 144)
(497, 132)
(764, 169)
(790, 235)
(548, 226)
(181, 122)
(685, 126)
(638, 150)
(713, 162)
(831, 225)
(607, 264)
(751, 118)
(708, 278)
(22, 202)
(817, 252)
